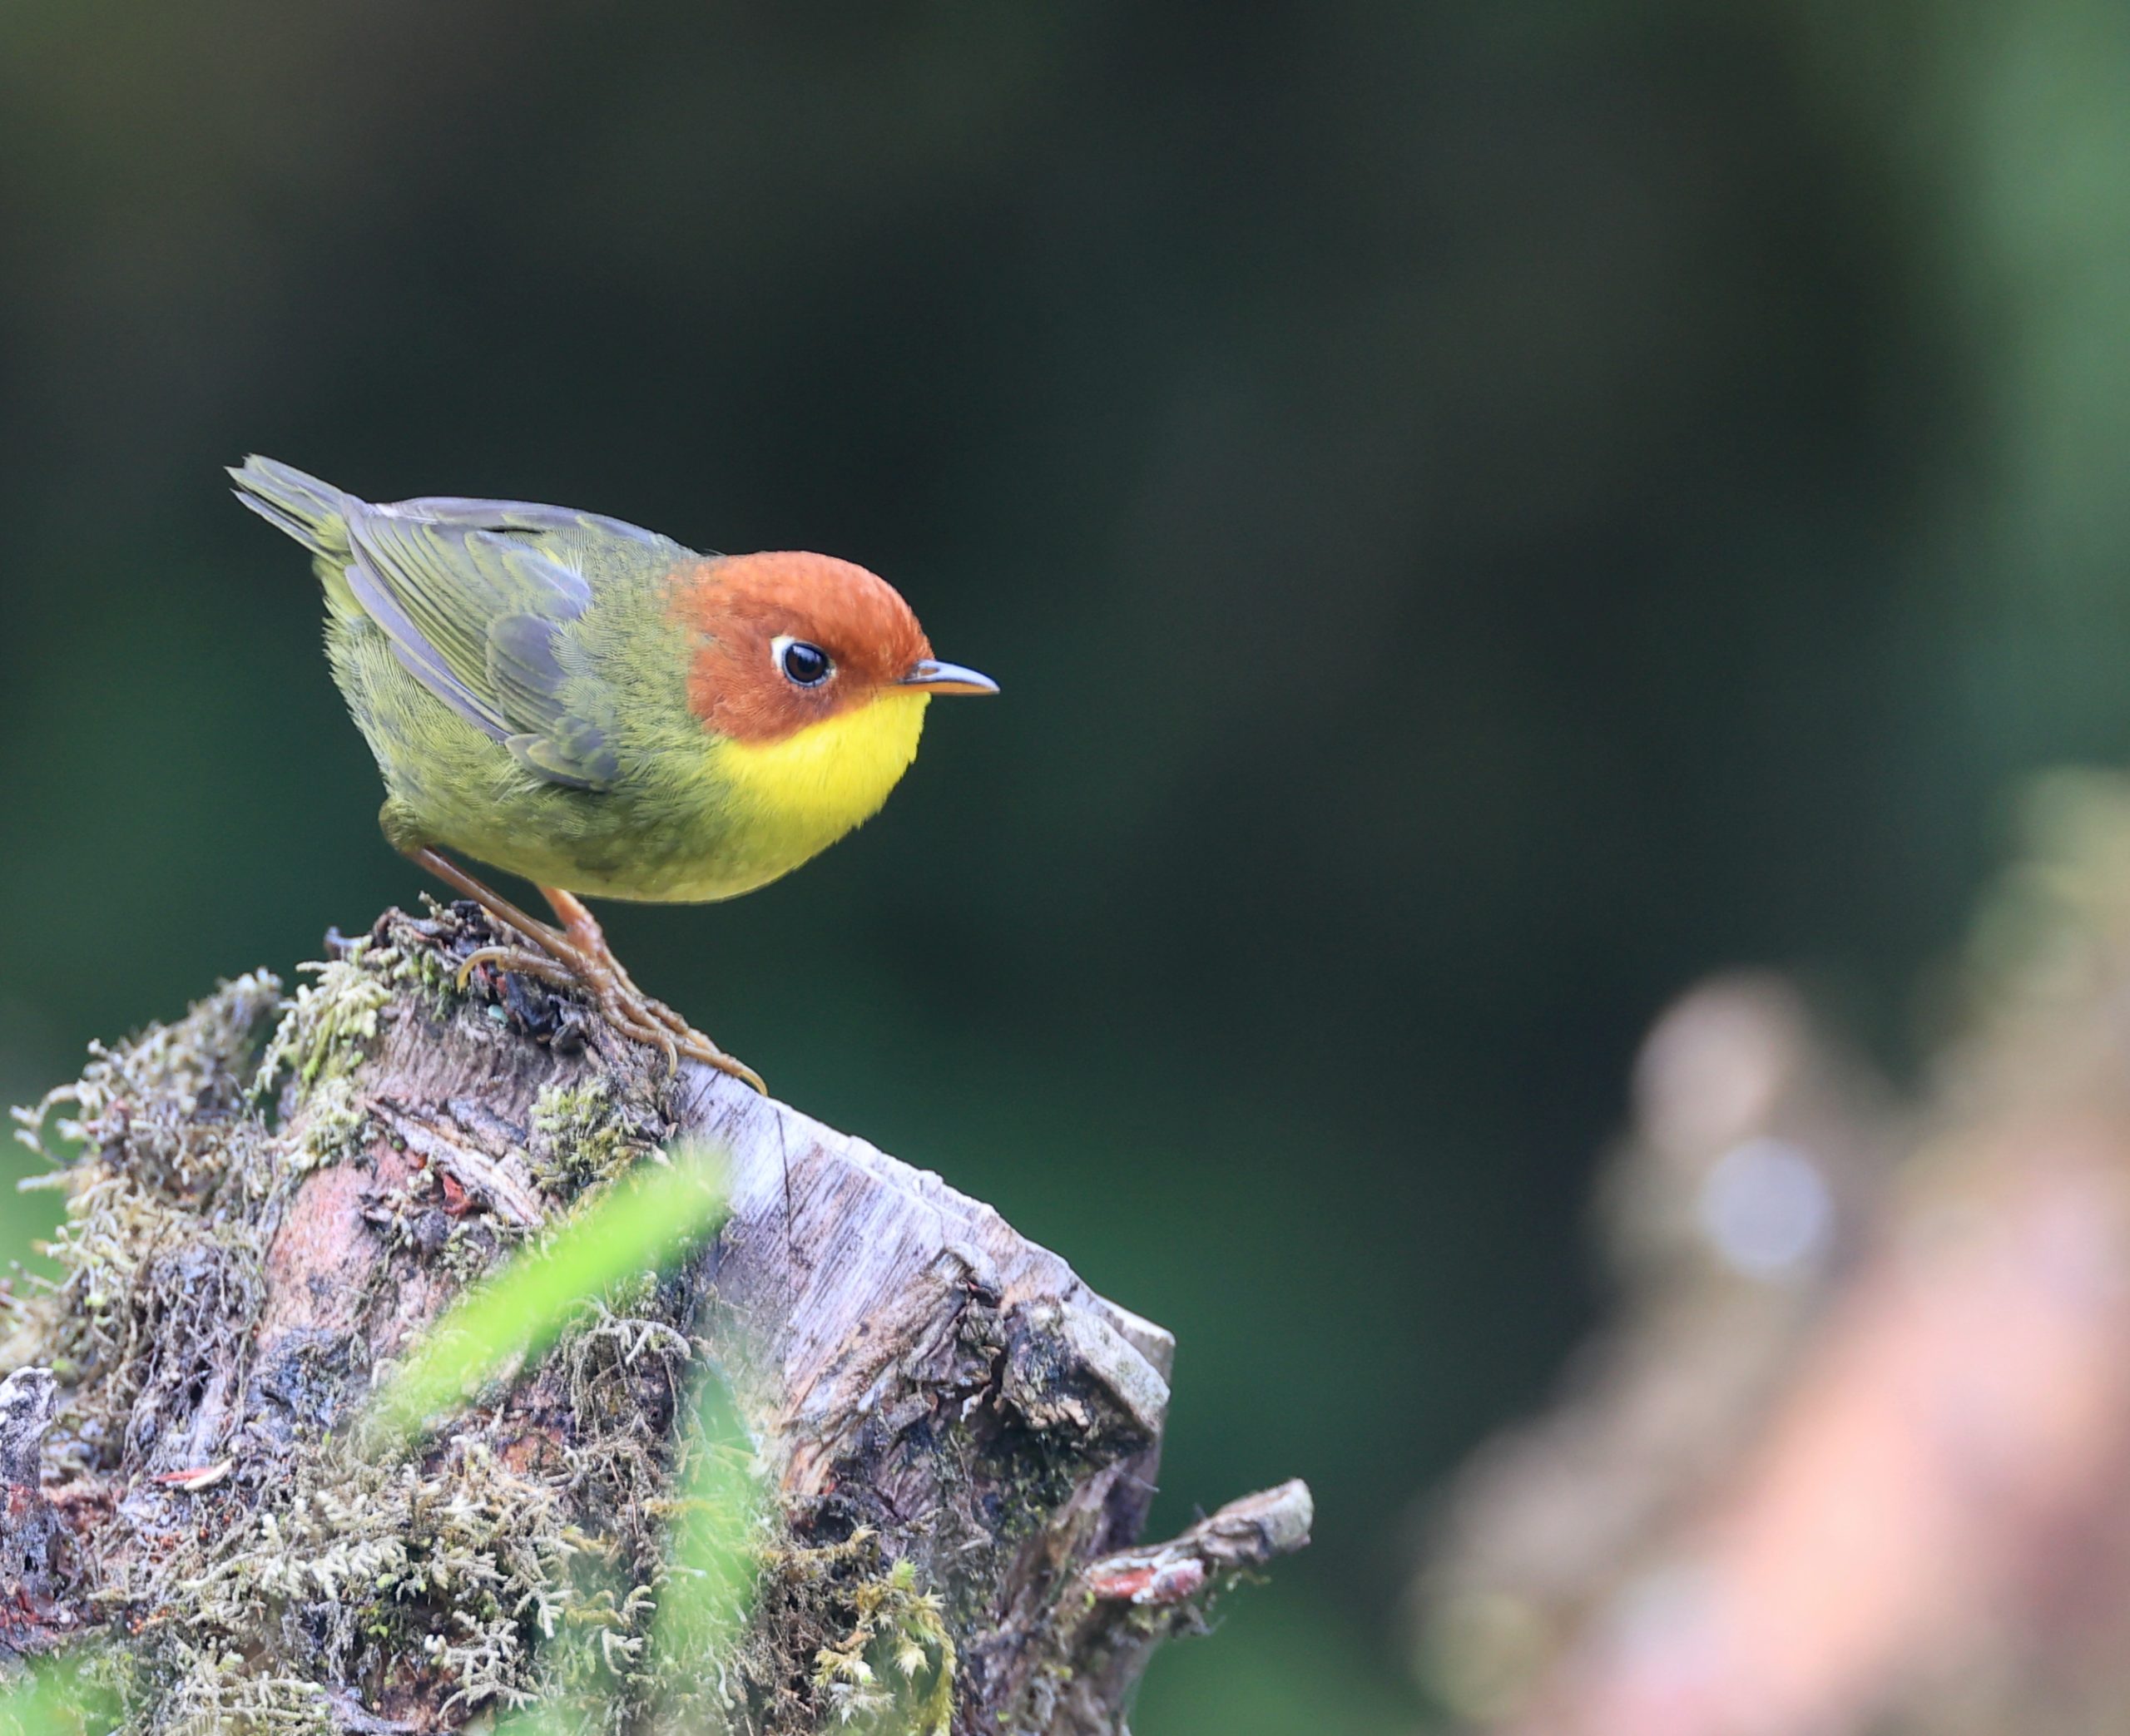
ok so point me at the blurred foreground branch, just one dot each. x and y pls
(949, 1439)
(1856, 1453)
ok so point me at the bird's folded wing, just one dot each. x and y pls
(567, 525)
(479, 616)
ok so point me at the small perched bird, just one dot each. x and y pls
(600, 711)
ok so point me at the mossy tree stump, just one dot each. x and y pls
(269, 1203)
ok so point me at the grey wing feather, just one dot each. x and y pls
(419, 657)
(525, 515)
(529, 682)
(478, 616)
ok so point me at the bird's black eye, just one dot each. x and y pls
(807, 665)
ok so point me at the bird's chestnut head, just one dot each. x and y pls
(787, 640)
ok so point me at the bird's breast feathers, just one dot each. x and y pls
(744, 814)
(807, 789)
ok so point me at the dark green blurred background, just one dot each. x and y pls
(1481, 512)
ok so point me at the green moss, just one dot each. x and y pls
(894, 1671)
(329, 1023)
(423, 968)
(167, 1095)
(583, 1134)
(161, 1242)
(469, 1251)
(838, 1638)
(334, 1124)
(326, 1034)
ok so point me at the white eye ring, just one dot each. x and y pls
(800, 662)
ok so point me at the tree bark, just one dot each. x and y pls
(961, 1437)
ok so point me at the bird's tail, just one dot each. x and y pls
(314, 512)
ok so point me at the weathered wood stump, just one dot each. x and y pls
(271, 1201)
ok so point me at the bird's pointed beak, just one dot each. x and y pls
(930, 675)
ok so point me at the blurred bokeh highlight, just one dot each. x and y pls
(1483, 515)
(1848, 1454)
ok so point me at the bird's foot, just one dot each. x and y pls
(562, 961)
(577, 956)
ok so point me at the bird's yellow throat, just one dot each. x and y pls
(815, 786)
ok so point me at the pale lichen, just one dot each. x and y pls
(458, 1565)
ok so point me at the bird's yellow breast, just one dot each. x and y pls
(793, 798)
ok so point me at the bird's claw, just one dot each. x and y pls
(625, 1007)
(656, 1025)
(520, 960)
(698, 1047)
